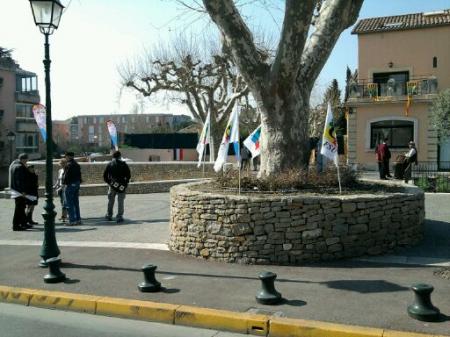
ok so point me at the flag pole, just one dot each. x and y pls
(239, 174)
(339, 178)
(203, 160)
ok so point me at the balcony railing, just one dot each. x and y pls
(392, 89)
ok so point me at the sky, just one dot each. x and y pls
(95, 37)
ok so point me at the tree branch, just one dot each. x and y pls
(296, 23)
(238, 36)
(334, 16)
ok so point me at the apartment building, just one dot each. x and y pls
(403, 63)
(18, 94)
(91, 129)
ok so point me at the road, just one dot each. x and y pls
(21, 321)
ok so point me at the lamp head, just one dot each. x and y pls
(46, 14)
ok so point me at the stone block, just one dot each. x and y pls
(312, 234)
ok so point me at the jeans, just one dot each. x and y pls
(72, 192)
(120, 201)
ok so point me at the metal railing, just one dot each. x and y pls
(432, 176)
(392, 88)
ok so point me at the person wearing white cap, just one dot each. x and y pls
(410, 158)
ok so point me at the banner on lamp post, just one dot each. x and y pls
(112, 133)
(40, 115)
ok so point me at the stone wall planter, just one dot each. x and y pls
(292, 229)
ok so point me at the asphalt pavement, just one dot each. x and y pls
(17, 320)
(373, 292)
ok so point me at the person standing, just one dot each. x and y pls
(18, 178)
(32, 188)
(60, 189)
(383, 156)
(245, 158)
(117, 176)
(72, 181)
(410, 159)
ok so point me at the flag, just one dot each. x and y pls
(252, 142)
(231, 135)
(40, 113)
(113, 133)
(329, 142)
(408, 105)
(204, 138)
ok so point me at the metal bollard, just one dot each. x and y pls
(422, 309)
(268, 294)
(55, 275)
(150, 284)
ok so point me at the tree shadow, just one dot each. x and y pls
(365, 286)
(101, 221)
(69, 229)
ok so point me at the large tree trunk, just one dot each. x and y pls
(285, 134)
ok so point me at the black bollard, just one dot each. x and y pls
(55, 275)
(150, 285)
(422, 309)
(268, 294)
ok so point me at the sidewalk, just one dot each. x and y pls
(361, 293)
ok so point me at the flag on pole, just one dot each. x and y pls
(231, 135)
(113, 133)
(252, 142)
(40, 115)
(204, 138)
(329, 141)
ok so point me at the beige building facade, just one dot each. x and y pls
(403, 63)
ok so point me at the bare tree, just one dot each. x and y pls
(282, 86)
(204, 82)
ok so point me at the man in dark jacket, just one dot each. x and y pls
(383, 156)
(72, 181)
(18, 182)
(116, 175)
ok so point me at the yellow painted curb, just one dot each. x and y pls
(290, 327)
(65, 301)
(16, 295)
(392, 333)
(245, 323)
(150, 311)
(222, 320)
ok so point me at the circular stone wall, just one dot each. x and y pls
(291, 229)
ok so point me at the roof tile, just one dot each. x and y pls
(402, 22)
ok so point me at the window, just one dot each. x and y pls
(398, 132)
(26, 84)
(124, 119)
(24, 110)
(95, 120)
(435, 62)
(101, 119)
(27, 142)
(391, 84)
(91, 134)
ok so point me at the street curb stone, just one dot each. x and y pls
(255, 324)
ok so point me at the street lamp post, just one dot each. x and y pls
(47, 14)
(11, 136)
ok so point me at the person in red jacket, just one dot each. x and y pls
(383, 156)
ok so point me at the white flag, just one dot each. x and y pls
(231, 135)
(329, 142)
(252, 142)
(204, 138)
